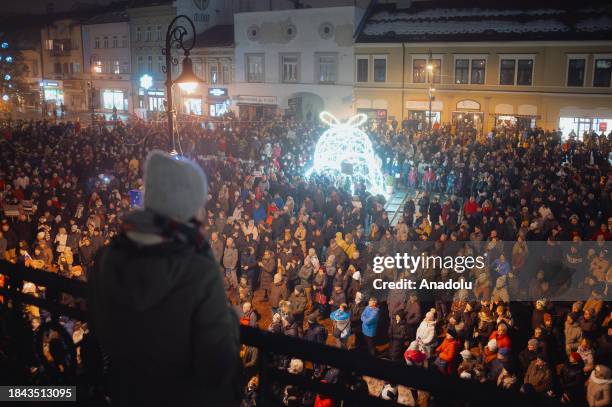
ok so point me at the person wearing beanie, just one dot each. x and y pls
(158, 278)
(341, 319)
(529, 354)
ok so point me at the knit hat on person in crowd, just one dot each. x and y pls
(540, 304)
(356, 276)
(532, 342)
(466, 354)
(175, 186)
(296, 366)
(389, 392)
(492, 345)
(278, 277)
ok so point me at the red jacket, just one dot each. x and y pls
(321, 401)
(447, 351)
(503, 341)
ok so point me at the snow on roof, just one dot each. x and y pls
(425, 21)
(459, 27)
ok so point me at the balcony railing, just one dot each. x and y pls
(446, 389)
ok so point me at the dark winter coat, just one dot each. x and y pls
(397, 336)
(160, 312)
(278, 292)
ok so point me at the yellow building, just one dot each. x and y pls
(544, 67)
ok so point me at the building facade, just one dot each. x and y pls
(107, 62)
(295, 61)
(149, 21)
(533, 70)
(62, 66)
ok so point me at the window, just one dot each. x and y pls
(115, 41)
(57, 68)
(525, 72)
(462, 67)
(160, 63)
(362, 69)
(197, 69)
(602, 72)
(138, 34)
(419, 70)
(140, 64)
(105, 42)
(158, 33)
(328, 64)
(516, 71)
(124, 41)
(35, 68)
(380, 69)
(436, 69)
(226, 73)
(575, 71)
(289, 68)
(478, 71)
(76, 67)
(150, 63)
(214, 73)
(97, 42)
(255, 67)
(125, 67)
(149, 34)
(506, 72)
(116, 67)
(48, 45)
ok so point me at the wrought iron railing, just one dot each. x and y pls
(446, 389)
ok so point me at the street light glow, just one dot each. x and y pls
(5, 45)
(188, 87)
(5, 98)
(146, 81)
(7, 77)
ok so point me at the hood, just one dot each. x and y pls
(139, 275)
(605, 372)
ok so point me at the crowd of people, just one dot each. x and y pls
(296, 253)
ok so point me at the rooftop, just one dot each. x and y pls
(110, 17)
(217, 36)
(442, 20)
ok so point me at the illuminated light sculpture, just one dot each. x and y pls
(345, 153)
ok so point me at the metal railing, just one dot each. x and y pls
(446, 389)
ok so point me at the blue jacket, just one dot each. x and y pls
(259, 214)
(369, 319)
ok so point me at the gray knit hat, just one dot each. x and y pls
(174, 186)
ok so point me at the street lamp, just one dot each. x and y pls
(146, 81)
(187, 80)
(431, 90)
(92, 88)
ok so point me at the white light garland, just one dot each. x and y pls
(346, 154)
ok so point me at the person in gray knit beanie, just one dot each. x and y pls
(158, 307)
(175, 186)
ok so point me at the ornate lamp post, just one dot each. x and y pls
(92, 88)
(187, 80)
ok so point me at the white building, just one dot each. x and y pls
(300, 60)
(106, 58)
